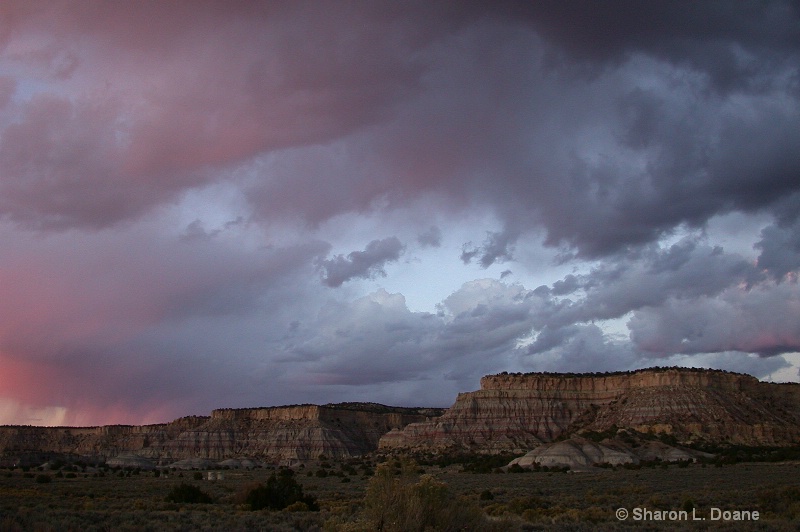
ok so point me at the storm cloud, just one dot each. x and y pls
(195, 198)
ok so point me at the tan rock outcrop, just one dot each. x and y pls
(578, 454)
(581, 454)
(518, 412)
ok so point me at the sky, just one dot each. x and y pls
(239, 204)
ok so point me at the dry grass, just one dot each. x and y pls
(530, 501)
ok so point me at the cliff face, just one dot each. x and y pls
(274, 434)
(509, 413)
(518, 412)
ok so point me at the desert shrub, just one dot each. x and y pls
(519, 505)
(407, 502)
(187, 493)
(297, 506)
(197, 475)
(783, 501)
(43, 479)
(516, 468)
(281, 491)
(486, 495)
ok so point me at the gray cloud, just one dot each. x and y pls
(780, 249)
(709, 37)
(686, 270)
(365, 264)
(579, 348)
(498, 247)
(431, 238)
(377, 340)
(763, 320)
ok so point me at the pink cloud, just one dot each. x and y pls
(110, 326)
(161, 94)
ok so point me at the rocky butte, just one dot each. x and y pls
(510, 412)
(518, 412)
(275, 434)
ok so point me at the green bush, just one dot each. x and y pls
(43, 479)
(280, 492)
(187, 493)
(410, 503)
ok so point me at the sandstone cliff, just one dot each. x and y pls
(518, 412)
(272, 434)
(511, 412)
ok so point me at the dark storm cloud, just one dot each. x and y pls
(606, 124)
(600, 129)
(735, 44)
(685, 270)
(365, 264)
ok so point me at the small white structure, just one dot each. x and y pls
(215, 475)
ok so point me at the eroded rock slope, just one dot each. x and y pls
(273, 434)
(517, 412)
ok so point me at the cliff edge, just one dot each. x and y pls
(516, 412)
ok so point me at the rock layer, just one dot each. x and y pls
(516, 412)
(277, 434)
(511, 412)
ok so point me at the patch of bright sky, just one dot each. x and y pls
(13, 412)
(426, 275)
(737, 232)
(781, 368)
(790, 373)
(218, 209)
